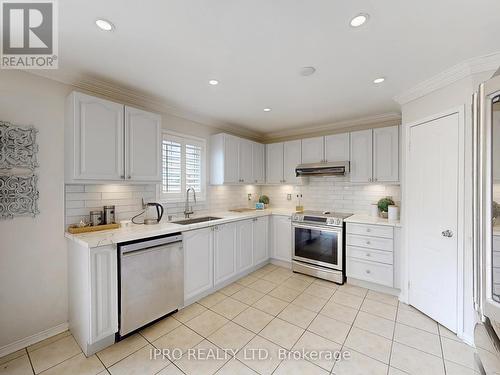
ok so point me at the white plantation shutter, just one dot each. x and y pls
(183, 161)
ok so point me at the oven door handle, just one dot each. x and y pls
(318, 227)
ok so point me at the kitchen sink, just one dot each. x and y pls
(196, 220)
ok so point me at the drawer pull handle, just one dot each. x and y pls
(368, 255)
(368, 271)
(367, 242)
(368, 230)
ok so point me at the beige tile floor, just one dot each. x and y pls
(276, 310)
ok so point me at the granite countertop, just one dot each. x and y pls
(367, 219)
(137, 231)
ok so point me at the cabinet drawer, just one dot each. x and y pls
(370, 242)
(371, 255)
(384, 231)
(370, 271)
(496, 275)
(496, 259)
(496, 243)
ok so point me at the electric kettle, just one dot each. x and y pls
(147, 208)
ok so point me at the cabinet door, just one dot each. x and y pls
(98, 139)
(292, 157)
(274, 163)
(496, 148)
(258, 163)
(244, 245)
(245, 161)
(361, 156)
(386, 154)
(142, 145)
(198, 262)
(282, 238)
(231, 159)
(224, 252)
(337, 147)
(103, 292)
(313, 150)
(260, 239)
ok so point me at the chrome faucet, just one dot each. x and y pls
(189, 210)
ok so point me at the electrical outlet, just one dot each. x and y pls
(289, 197)
(249, 195)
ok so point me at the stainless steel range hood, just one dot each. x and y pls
(339, 168)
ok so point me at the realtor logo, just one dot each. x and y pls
(29, 35)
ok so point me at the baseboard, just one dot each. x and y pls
(281, 263)
(373, 286)
(30, 340)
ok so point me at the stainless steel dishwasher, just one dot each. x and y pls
(151, 277)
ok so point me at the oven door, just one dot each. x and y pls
(318, 245)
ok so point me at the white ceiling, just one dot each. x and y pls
(255, 48)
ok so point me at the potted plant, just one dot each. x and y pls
(264, 199)
(383, 206)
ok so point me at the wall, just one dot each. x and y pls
(333, 194)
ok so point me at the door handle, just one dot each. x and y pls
(447, 233)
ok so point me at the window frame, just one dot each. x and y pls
(184, 139)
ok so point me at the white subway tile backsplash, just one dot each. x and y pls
(82, 196)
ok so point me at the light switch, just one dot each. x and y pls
(289, 197)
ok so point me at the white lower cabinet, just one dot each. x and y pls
(260, 239)
(282, 238)
(198, 262)
(244, 245)
(224, 252)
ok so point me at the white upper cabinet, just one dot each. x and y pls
(274, 163)
(258, 163)
(235, 160)
(142, 145)
(245, 161)
(94, 139)
(292, 156)
(386, 154)
(337, 147)
(102, 145)
(313, 150)
(361, 156)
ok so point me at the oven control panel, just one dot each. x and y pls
(323, 220)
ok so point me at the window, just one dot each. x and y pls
(183, 166)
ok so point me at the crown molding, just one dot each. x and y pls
(130, 96)
(380, 120)
(460, 71)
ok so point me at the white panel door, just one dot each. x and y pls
(103, 292)
(337, 147)
(313, 150)
(292, 156)
(282, 238)
(142, 145)
(258, 163)
(198, 262)
(496, 148)
(274, 163)
(245, 161)
(386, 154)
(231, 159)
(99, 139)
(260, 239)
(244, 245)
(361, 156)
(432, 196)
(224, 252)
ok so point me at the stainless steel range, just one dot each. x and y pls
(318, 244)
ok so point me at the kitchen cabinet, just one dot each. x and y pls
(313, 150)
(198, 262)
(337, 147)
(282, 238)
(274, 163)
(375, 155)
(282, 159)
(235, 160)
(107, 141)
(260, 239)
(244, 244)
(386, 154)
(224, 252)
(142, 148)
(258, 163)
(496, 148)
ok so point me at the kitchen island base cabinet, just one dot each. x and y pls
(93, 296)
(282, 238)
(198, 262)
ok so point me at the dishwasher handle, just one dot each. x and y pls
(143, 245)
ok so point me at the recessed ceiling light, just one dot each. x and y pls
(307, 71)
(359, 20)
(213, 82)
(104, 25)
(267, 109)
(379, 80)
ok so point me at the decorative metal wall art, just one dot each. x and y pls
(18, 182)
(18, 196)
(18, 147)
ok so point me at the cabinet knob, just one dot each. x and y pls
(122, 176)
(368, 271)
(129, 177)
(367, 242)
(368, 255)
(368, 230)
